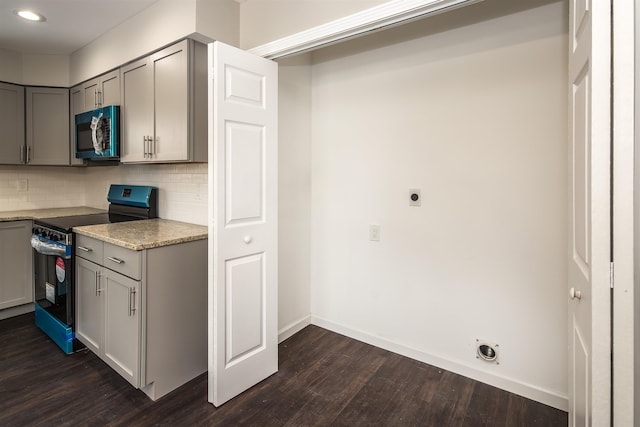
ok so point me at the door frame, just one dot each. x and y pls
(624, 95)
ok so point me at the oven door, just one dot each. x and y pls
(53, 278)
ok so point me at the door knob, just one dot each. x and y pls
(247, 239)
(575, 294)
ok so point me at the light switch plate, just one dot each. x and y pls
(374, 233)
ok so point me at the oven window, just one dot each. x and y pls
(53, 279)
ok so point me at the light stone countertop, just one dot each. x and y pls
(30, 214)
(145, 234)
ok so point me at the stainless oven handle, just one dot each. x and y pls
(116, 260)
(48, 248)
(82, 248)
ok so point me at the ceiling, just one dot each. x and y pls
(70, 24)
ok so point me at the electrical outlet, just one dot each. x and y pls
(22, 185)
(374, 233)
(415, 199)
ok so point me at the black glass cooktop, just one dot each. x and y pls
(66, 223)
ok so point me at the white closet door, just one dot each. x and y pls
(243, 250)
(589, 232)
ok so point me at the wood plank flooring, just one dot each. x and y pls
(324, 379)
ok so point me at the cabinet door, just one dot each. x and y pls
(171, 95)
(47, 126)
(122, 337)
(16, 264)
(109, 91)
(90, 94)
(11, 124)
(136, 110)
(89, 305)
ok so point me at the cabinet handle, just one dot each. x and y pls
(145, 146)
(22, 148)
(100, 100)
(116, 260)
(98, 290)
(152, 146)
(82, 248)
(28, 154)
(132, 301)
(95, 97)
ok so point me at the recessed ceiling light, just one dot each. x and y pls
(29, 15)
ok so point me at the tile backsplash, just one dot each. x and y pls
(182, 188)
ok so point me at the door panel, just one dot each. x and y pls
(243, 348)
(589, 252)
(12, 124)
(89, 312)
(90, 90)
(245, 172)
(110, 89)
(245, 321)
(136, 110)
(47, 126)
(122, 325)
(171, 91)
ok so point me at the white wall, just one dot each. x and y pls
(34, 69)
(182, 187)
(474, 113)
(47, 187)
(11, 66)
(294, 196)
(157, 26)
(262, 21)
(45, 70)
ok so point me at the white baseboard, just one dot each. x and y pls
(16, 311)
(293, 328)
(529, 391)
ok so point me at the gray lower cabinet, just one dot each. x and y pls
(16, 264)
(144, 312)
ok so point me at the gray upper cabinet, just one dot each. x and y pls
(164, 106)
(47, 119)
(12, 148)
(97, 92)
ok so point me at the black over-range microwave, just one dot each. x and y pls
(97, 134)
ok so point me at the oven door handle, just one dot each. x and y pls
(45, 247)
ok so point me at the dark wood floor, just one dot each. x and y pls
(324, 379)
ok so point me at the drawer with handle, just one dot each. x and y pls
(122, 260)
(89, 248)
